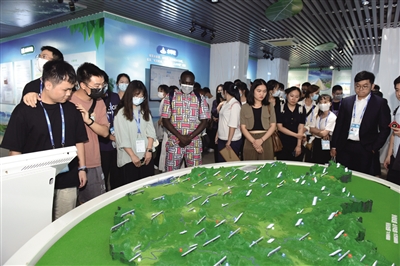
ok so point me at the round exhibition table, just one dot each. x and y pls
(81, 237)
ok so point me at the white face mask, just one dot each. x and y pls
(40, 63)
(276, 94)
(137, 100)
(186, 89)
(160, 94)
(324, 106)
(122, 86)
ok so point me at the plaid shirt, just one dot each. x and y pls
(184, 112)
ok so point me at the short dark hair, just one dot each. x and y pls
(206, 90)
(188, 73)
(165, 88)
(377, 87)
(293, 88)
(378, 93)
(364, 75)
(337, 88)
(325, 97)
(271, 84)
(237, 81)
(250, 96)
(123, 75)
(57, 71)
(57, 55)
(86, 71)
(396, 81)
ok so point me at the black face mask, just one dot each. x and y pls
(96, 93)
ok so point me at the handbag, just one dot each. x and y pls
(276, 142)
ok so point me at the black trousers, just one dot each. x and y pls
(110, 169)
(393, 175)
(132, 173)
(317, 154)
(357, 158)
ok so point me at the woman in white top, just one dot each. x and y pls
(322, 129)
(229, 135)
(311, 108)
(162, 136)
(134, 133)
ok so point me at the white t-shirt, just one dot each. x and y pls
(310, 119)
(229, 116)
(327, 123)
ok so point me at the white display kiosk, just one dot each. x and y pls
(26, 194)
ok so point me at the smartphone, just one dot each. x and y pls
(142, 161)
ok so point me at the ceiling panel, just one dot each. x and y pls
(320, 21)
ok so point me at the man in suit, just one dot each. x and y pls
(362, 127)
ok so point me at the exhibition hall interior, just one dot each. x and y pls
(260, 132)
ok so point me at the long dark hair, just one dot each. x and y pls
(250, 96)
(218, 95)
(134, 88)
(232, 90)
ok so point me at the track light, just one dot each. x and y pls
(204, 33)
(267, 55)
(338, 68)
(212, 36)
(272, 57)
(193, 28)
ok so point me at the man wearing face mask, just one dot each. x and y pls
(185, 118)
(337, 96)
(91, 88)
(31, 90)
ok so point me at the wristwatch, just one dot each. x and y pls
(83, 168)
(149, 150)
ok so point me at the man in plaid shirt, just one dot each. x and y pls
(184, 118)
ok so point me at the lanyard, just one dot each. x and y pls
(137, 121)
(326, 121)
(363, 111)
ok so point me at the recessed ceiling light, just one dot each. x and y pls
(263, 30)
(364, 2)
(367, 20)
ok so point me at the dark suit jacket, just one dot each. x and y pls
(374, 128)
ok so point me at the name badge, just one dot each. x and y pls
(354, 129)
(140, 145)
(326, 145)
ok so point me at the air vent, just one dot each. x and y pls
(281, 42)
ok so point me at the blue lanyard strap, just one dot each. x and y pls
(49, 126)
(326, 121)
(137, 121)
(363, 111)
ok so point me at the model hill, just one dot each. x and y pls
(229, 216)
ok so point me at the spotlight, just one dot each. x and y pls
(266, 56)
(204, 33)
(71, 6)
(272, 57)
(331, 67)
(364, 2)
(338, 68)
(193, 28)
(212, 36)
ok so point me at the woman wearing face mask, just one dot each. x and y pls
(135, 133)
(229, 135)
(322, 130)
(215, 116)
(159, 161)
(290, 121)
(311, 109)
(108, 152)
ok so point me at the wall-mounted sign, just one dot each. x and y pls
(167, 51)
(27, 49)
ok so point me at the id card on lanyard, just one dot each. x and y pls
(66, 169)
(355, 125)
(326, 144)
(140, 143)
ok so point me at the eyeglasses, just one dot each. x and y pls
(103, 87)
(363, 87)
(44, 56)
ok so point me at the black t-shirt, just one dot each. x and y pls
(33, 86)
(27, 131)
(291, 121)
(257, 119)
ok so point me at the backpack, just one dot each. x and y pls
(171, 96)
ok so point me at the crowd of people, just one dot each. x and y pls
(118, 143)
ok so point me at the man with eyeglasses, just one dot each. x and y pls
(88, 101)
(53, 124)
(30, 94)
(362, 128)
